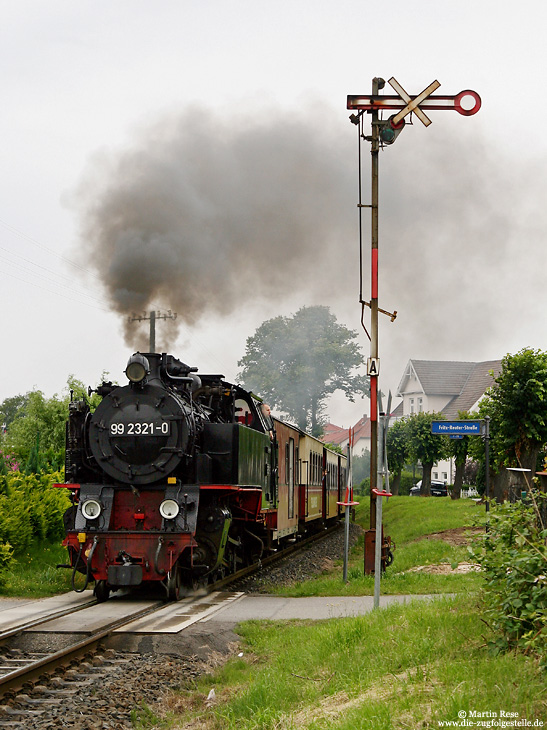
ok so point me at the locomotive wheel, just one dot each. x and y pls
(101, 591)
(174, 585)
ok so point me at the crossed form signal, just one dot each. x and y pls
(466, 102)
(412, 104)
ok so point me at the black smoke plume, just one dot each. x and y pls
(205, 214)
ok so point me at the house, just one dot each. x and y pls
(446, 387)
(335, 435)
(340, 436)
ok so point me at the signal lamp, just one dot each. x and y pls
(390, 131)
(137, 368)
(169, 509)
(91, 509)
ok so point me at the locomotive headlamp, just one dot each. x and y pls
(91, 509)
(137, 368)
(169, 509)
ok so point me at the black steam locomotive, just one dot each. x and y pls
(181, 478)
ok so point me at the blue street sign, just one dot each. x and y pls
(452, 428)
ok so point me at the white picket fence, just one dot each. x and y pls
(470, 492)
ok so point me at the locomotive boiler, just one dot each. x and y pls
(181, 478)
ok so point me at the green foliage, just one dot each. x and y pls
(15, 524)
(405, 666)
(41, 418)
(513, 557)
(35, 437)
(517, 405)
(407, 520)
(6, 557)
(361, 467)
(423, 445)
(407, 481)
(30, 508)
(10, 407)
(33, 573)
(397, 446)
(296, 363)
(458, 449)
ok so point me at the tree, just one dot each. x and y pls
(517, 406)
(39, 426)
(459, 450)
(397, 452)
(361, 467)
(10, 407)
(426, 446)
(297, 362)
(36, 429)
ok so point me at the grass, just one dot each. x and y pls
(33, 574)
(405, 666)
(401, 667)
(407, 520)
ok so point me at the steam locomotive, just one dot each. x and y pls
(182, 478)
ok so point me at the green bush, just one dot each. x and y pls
(408, 480)
(31, 509)
(6, 557)
(513, 557)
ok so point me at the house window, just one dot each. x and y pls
(420, 405)
(435, 475)
(412, 405)
(445, 476)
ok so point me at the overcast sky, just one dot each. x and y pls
(211, 140)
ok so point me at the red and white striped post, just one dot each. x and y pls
(348, 503)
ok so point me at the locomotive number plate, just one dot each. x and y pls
(140, 428)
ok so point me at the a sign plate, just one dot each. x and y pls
(451, 428)
(373, 366)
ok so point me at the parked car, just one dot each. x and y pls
(438, 489)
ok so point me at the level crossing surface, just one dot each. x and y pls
(225, 607)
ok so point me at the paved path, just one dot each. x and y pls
(278, 607)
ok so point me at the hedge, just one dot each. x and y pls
(30, 510)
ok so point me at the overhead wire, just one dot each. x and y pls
(61, 279)
(101, 304)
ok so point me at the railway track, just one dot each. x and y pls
(18, 667)
(32, 681)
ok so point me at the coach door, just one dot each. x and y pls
(290, 476)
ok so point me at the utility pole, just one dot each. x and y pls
(377, 84)
(153, 316)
